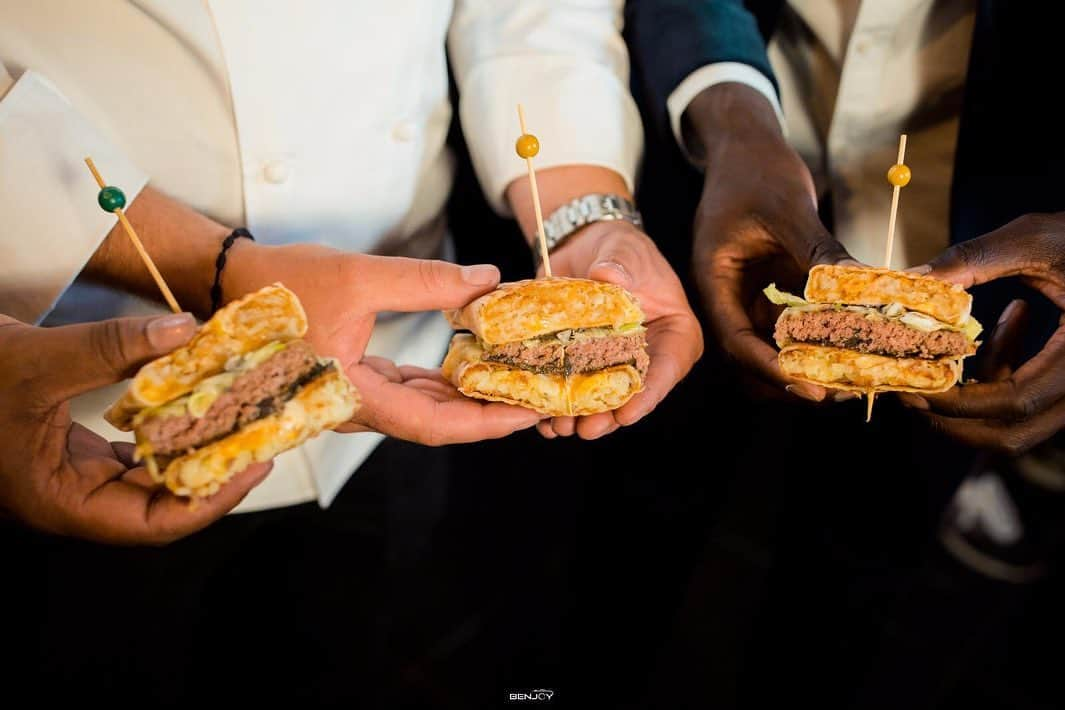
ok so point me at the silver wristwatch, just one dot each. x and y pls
(582, 211)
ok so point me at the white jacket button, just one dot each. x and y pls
(403, 132)
(276, 172)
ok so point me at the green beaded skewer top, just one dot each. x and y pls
(112, 199)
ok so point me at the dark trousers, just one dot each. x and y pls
(291, 605)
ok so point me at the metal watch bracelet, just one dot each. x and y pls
(567, 219)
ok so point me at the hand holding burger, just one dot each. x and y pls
(1023, 404)
(596, 348)
(58, 476)
(560, 346)
(244, 389)
(625, 256)
(870, 330)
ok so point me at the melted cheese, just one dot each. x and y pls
(203, 395)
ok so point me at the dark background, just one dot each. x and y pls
(724, 552)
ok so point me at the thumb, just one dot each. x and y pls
(811, 245)
(78, 358)
(402, 284)
(613, 272)
(1007, 251)
(964, 263)
(623, 262)
(803, 234)
(797, 226)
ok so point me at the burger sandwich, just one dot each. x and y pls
(560, 346)
(243, 390)
(875, 330)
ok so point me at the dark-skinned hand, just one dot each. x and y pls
(1010, 410)
(756, 223)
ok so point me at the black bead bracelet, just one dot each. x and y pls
(220, 264)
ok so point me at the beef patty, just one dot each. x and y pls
(253, 395)
(854, 331)
(578, 355)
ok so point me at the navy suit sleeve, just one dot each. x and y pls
(670, 39)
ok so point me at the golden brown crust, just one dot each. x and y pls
(862, 372)
(535, 307)
(321, 404)
(603, 391)
(271, 313)
(553, 394)
(865, 286)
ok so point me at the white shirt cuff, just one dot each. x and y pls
(52, 224)
(580, 111)
(719, 73)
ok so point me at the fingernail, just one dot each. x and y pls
(267, 468)
(845, 396)
(171, 331)
(804, 391)
(1009, 312)
(480, 274)
(919, 270)
(623, 273)
(914, 401)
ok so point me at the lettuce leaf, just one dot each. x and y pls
(782, 298)
(918, 321)
(972, 328)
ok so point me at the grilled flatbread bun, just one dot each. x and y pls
(862, 372)
(528, 309)
(271, 313)
(323, 403)
(553, 394)
(862, 286)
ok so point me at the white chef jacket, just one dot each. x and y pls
(318, 121)
(854, 75)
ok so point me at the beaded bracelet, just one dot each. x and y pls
(220, 263)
